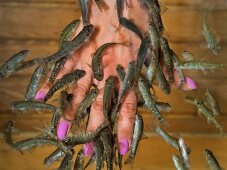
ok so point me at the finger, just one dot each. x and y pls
(63, 128)
(68, 66)
(126, 121)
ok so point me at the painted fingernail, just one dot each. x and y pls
(123, 145)
(191, 83)
(62, 129)
(88, 149)
(40, 95)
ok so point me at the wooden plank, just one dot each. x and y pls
(153, 153)
(181, 23)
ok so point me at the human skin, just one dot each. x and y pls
(106, 30)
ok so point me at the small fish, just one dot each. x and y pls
(84, 138)
(184, 152)
(23, 106)
(7, 133)
(82, 37)
(54, 121)
(212, 42)
(155, 14)
(207, 113)
(67, 78)
(87, 101)
(131, 26)
(120, 8)
(169, 139)
(154, 36)
(79, 162)
(178, 162)
(137, 134)
(34, 83)
(101, 5)
(67, 32)
(211, 160)
(144, 89)
(97, 67)
(55, 156)
(199, 65)
(30, 63)
(107, 138)
(98, 148)
(66, 162)
(9, 67)
(107, 95)
(56, 69)
(165, 107)
(85, 11)
(162, 82)
(213, 102)
(167, 57)
(152, 67)
(176, 62)
(142, 53)
(121, 72)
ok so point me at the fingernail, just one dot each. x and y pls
(40, 95)
(191, 83)
(88, 149)
(123, 145)
(62, 129)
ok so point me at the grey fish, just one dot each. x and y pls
(131, 26)
(165, 107)
(184, 152)
(98, 148)
(207, 113)
(70, 47)
(212, 42)
(120, 8)
(84, 138)
(7, 132)
(169, 139)
(213, 102)
(67, 78)
(155, 14)
(137, 134)
(107, 138)
(10, 65)
(54, 156)
(167, 57)
(79, 162)
(144, 89)
(101, 5)
(152, 67)
(199, 65)
(31, 105)
(176, 62)
(34, 83)
(162, 82)
(67, 32)
(142, 53)
(57, 68)
(211, 160)
(54, 121)
(85, 11)
(178, 162)
(30, 63)
(87, 101)
(107, 95)
(120, 72)
(97, 60)
(66, 162)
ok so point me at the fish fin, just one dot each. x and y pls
(89, 65)
(163, 8)
(208, 121)
(129, 160)
(144, 137)
(16, 131)
(199, 112)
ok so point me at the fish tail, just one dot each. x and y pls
(129, 160)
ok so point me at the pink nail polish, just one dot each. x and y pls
(190, 83)
(40, 95)
(88, 149)
(123, 145)
(62, 129)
